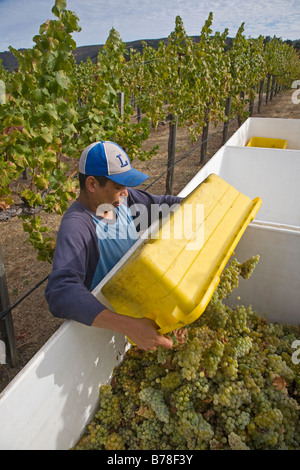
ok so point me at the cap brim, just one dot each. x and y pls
(129, 178)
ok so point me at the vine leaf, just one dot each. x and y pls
(59, 6)
(279, 383)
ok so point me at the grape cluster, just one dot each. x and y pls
(232, 386)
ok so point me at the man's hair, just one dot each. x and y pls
(102, 180)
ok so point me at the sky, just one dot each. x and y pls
(149, 19)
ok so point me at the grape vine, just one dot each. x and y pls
(54, 107)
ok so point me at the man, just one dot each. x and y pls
(95, 232)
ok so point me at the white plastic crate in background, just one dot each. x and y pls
(287, 129)
(273, 289)
(271, 175)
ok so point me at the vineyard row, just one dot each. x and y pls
(55, 107)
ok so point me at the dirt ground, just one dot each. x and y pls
(33, 323)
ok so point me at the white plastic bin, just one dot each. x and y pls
(49, 403)
(288, 129)
(273, 288)
(272, 175)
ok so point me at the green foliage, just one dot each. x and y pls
(38, 121)
(54, 107)
(282, 61)
(98, 88)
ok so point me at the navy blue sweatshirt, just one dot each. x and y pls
(88, 247)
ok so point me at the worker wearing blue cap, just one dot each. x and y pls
(95, 233)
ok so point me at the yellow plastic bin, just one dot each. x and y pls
(267, 142)
(171, 277)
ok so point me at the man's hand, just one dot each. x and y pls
(146, 336)
(141, 331)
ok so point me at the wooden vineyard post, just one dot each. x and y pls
(171, 154)
(6, 324)
(204, 144)
(138, 109)
(240, 118)
(251, 104)
(226, 123)
(203, 153)
(138, 114)
(25, 173)
(273, 87)
(121, 103)
(268, 88)
(260, 94)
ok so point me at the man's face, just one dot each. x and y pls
(109, 196)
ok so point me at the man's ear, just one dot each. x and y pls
(90, 184)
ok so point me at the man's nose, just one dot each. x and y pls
(124, 192)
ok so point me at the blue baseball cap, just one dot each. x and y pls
(109, 159)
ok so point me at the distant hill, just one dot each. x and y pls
(83, 52)
(8, 60)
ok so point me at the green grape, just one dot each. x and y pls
(232, 385)
(232, 395)
(153, 371)
(230, 367)
(162, 355)
(267, 429)
(212, 358)
(148, 434)
(201, 390)
(278, 367)
(180, 399)
(238, 320)
(243, 420)
(114, 442)
(109, 413)
(155, 399)
(243, 346)
(269, 420)
(176, 440)
(236, 443)
(171, 381)
(248, 266)
(229, 280)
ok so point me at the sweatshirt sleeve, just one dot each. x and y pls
(143, 197)
(67, 291)
(146, 207)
